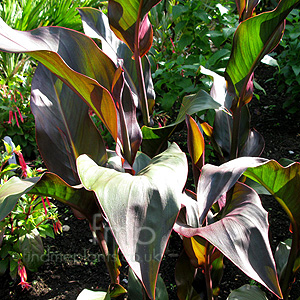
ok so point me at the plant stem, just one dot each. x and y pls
(139, 70)
(287, 276)
(235, 131)
(207, 272)
(113, 272)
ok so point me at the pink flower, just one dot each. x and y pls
(57, 227)
(172, 45)
(22, 163)
(23, 275)
(44, 206)
(11, 116)
(11, 112)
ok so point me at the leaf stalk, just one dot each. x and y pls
(139, 69)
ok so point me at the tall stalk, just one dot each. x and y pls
(112, 270)
(139, 70)
(207, 272)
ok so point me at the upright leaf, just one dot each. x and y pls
(133, 204)
(64, 129)
(215, 181)
(253, 39)
(242, 236)
(96, 25)
(129, 18)
(195, 142)
(284, 184)
(129, 132)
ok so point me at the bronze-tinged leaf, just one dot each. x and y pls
(133, 204)
(72, 57)
(253, 39)
(129, 19)
(242, 236)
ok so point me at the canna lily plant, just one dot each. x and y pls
(140, 196)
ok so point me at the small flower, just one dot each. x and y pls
(13, 112)
(172, 45)
(11, 116)
(23, 275)
(22, 163)
(57, 227)
(48, 202)
(43, 201)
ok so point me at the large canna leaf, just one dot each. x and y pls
(142, 209)
(72, 57)
(96, 25)
(217, 180)
(242, 236)
(64, 129)
(129, 21)
(247, 292)
(48, 185)
(253, 39)
(284, 184)
(129, 132)
(155, 139)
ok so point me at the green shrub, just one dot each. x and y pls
(183, 43)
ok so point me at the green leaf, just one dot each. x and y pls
(133, 204)
(72, 57)
(32, 249)
(136, 290)
(156, 138)
(48, 185)
(281, 255)
(184, 277)
(64, 129)
(3, 266)
(253, 39)
(247, 292)
(283, 183)
(93, 295)
(116, 290)
(242, 236)
(141, 162)
(11, 191)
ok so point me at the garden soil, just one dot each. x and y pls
(73, 261)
